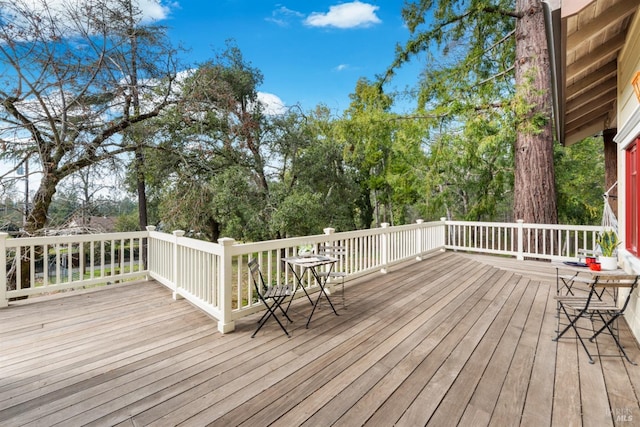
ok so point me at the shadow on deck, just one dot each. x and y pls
(449, 340)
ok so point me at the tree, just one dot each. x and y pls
(469, 172)
(492, 55)
(385, 153)
(68, 87)
(135, 36)
(67, 90)
(89, 192)
(367, 129)
(405, 174)
(314, 184)
(534, 184)
(259, 176)
(216, 138)
(580, 182)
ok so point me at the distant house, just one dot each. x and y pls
(92, 224)
(10, 228)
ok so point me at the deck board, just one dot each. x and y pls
(455, 339)
(497, 303)
(489, 376)
(372, 388)
(538, 405)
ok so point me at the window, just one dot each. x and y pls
(632, 202)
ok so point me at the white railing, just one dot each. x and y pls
(215, 277)
(521, 240)
(43, 265)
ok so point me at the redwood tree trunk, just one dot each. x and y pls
(534, 186)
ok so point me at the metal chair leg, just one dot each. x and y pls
(271, 312)
(572, 325)
(607, 326)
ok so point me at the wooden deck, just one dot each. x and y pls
(452, 340)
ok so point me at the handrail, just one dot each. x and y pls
(44, 265)
(215, 277)
(522, 240)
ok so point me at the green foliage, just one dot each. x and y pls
(208, 175)
(299, 214)
(466, 97)
(608, 242)
(62, 207)
(580, 182)
(221, 204)
(217, 165)
(476, 106)
(470, 173)
(527, 119)
(231, 170)
(320, 169)
(127, 222)
(385, 153)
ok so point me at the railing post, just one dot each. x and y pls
(329, 231)
(520, 243)
(147, 249)
(176, 264)
(419, 245)
(3, 274)
(384, 249)
(445, 233)
(226, 324)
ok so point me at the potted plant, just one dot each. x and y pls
(608, 242)
(305, 250)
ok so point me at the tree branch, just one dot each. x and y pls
(421, 42)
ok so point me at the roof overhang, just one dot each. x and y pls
(584, 38)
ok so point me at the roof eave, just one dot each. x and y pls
(553, 27)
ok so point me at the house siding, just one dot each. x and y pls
(628, 64)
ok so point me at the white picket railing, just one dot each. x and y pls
(521, 240)
(215, 277)
(57, 263)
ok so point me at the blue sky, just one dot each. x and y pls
(309, 52)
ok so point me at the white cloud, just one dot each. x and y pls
(151, 10)
(282, 15)
(155, 11)
(341, 67)
(272, 104)
(345, 15)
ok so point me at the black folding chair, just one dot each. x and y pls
(593, 307)
(271, 296)
(338, 272)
